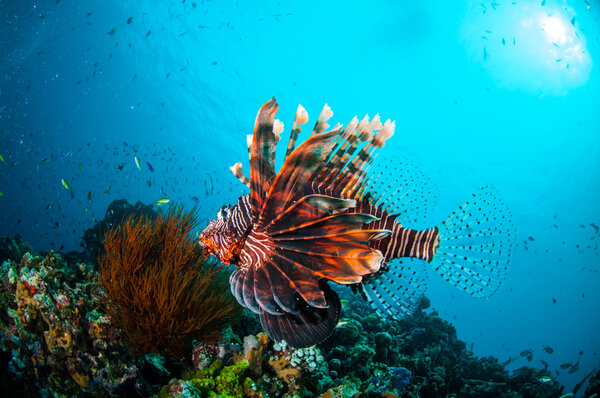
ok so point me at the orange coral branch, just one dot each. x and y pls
(159, 288)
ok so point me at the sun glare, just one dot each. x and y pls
(555, 29)
(527, 46)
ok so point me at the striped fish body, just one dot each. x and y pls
(320, 218)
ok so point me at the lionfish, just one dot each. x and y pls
(321, 218)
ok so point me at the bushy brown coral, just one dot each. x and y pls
(159, 288)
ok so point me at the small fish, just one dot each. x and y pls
(544, 363)
(548, 349)
(554, 300)
(67, 187)
(1, 158)
(64, 184)
(1, 194)
(575, 367)
(527, 354)
(66, 155)
(503, 42)
(150, 167)
(509, 360)
(138, 163)
(543, 3)
(129, 20)
(545, 379)
(89, 195)
(111, 32)
(148, 33)
(45, 160)
(162, 201)
(566, 365)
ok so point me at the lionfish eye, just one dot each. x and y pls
(223, 213)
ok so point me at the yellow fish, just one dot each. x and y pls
(64, 183)
(162, 201)
(67, 187)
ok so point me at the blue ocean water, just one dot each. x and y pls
(493, 92)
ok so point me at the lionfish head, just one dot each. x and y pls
(219, 239)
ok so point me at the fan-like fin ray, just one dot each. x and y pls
(476, 244)
(398, 290)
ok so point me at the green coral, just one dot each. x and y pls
(216, 381)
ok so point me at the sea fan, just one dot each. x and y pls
(159, 289)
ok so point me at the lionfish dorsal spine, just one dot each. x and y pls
(300, 119)
(236, 169)
(262, 155)
(321, 124)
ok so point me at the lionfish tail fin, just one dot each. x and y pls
(398, 291)
(475, 244)
(307, 327)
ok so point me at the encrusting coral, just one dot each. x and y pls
(160, 290)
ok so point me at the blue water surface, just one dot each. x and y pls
(483, 92)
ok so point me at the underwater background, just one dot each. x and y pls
(504, 93)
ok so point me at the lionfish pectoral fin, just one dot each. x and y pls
(309, 326)
(475, 244)
(263, 292)
(397, 291)
(398, 187)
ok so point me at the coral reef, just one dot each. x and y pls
(593, 388)
(160, 290)
(59, 337)
(13, 248)
(419, 356)
(55, 339)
